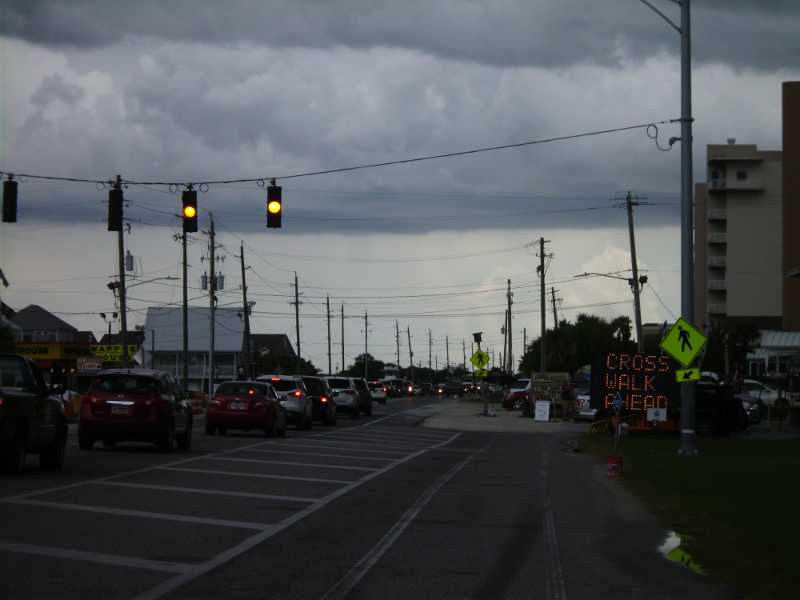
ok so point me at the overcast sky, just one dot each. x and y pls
(191, 91)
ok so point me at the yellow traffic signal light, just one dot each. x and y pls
(274, 206)
(189, 211)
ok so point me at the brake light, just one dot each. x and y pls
(297, 393)
(251, 392)
(276, 379)
(385, 390)
(323, 399)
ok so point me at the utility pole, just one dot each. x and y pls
(366, 346)
(510, 330)
(635, 285)
(524, 340)
(123, 306)
(212, 302)
(410, 355)
(504, 354)
(328, 307)
(542, 307)
(447, 346)
(185, 318)
(297, 321)
(430, 349)
(246, 314)
(343, 337)
(555, 310)
(397, 341)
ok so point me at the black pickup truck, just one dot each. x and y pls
(30, 421)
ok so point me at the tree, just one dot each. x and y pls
(374, 367)
(268, 364)
(7, 343)
(740, 339)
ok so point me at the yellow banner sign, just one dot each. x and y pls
(113, 352)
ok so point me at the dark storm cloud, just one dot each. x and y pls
(744, 33)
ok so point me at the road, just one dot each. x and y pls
(372, 508)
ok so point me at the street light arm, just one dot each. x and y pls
(152, 280)
(662, 15)
(602, 275)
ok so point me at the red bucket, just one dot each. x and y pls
(614, 466)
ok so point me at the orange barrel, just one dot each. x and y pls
(614, 466)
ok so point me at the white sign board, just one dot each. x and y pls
(656, 414)
(542, 411)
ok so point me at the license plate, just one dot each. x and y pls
(238, 406)
(120, 410)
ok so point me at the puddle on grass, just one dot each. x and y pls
(673, 550)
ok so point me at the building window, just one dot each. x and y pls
(741, 175)
(714, 174)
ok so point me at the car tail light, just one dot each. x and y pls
(251, 392)
(323, 399)
(297, 393)
(275, 379)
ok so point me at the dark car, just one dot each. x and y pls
(245, 405)
(323, 406)
(30, 420)
(135, 405)
(440, 390)
(364, 397)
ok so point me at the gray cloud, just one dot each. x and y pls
(743, 33)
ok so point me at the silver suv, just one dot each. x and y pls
(294, 398)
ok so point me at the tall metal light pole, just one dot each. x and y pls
(688, 445)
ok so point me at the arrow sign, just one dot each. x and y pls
(687, 375)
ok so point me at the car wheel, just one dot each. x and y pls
(211, 430)
(53, 457)
(309, 420)
(185, 439)
(271, 430)
(84, 441)
(281, 417)
(17, 453)
(330, 416)
(356, 413)
(368, 412)
(167, 441)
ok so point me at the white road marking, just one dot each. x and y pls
(373, 443)
(257, 475)
(95, 557)
(293, 464)
(322, 454)
(176, 582)
(343, 587)
(178, 518)
(555, 586)
(192, 490)
(334, 446)
(392, 439)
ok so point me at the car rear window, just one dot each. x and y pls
(314, 386)
(359, 383)
(521, 383)
(241, 388)
(125, 384)
(12, 374)
(339, 384)
(376, 386)
(284, 385)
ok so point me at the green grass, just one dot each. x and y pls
(738, 502)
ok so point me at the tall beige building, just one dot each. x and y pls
(746, 230)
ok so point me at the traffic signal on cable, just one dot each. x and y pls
(115, 210)
(9, 201)
(274, 206)
(189, 211)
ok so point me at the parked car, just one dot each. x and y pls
(426, 389)
(454, 388)
(30, 420)
(344, 395)
(760, 391)
(245, 405)
(364, 397)
(378, 391)
(323, 406)
(753, 407)
(440, 390)
(517, 394)
(135, 405)
(293, 398)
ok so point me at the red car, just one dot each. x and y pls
(245, 405)
(138, 405)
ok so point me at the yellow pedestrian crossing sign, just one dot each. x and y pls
(687, 375)
(480, 359)
(683, 342)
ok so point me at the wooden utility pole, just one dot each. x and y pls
(447, 346)
(510, 330)
(366, 346)
(635, 286)
(542, 307)
(123, 301)
(343, 367)
(297, 322)
(410, 355)
(212, 302)
(328, 307)
(397, 341)
(246, 315)
(430, 349)
(555, 310)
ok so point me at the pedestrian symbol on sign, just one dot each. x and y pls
(683, 336)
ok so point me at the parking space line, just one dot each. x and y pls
(376, 442)
(322, 454)
(122, 512)
(405, 434)
(178, 581)
(95, 557)
(334, 446)
(258, 475)
(192, 490)
(381, 438)
(293, 464)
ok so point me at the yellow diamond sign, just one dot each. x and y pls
(683, 342)
(481, 373)
(687, 375)
(480, 359)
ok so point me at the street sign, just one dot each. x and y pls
(687, 375)
(481, 373)
(480, 359)
(683, 342)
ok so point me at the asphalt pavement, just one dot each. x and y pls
(372, 508)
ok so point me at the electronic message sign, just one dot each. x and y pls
(642, 380)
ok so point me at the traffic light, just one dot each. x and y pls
(9, 201)
(274, 206)
(189, 211)
(115, 210)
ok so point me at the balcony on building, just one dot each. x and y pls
(717, 214)
(717, 308)
(735, 184)
(718, 238)
(717, 261)
(717, 285)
